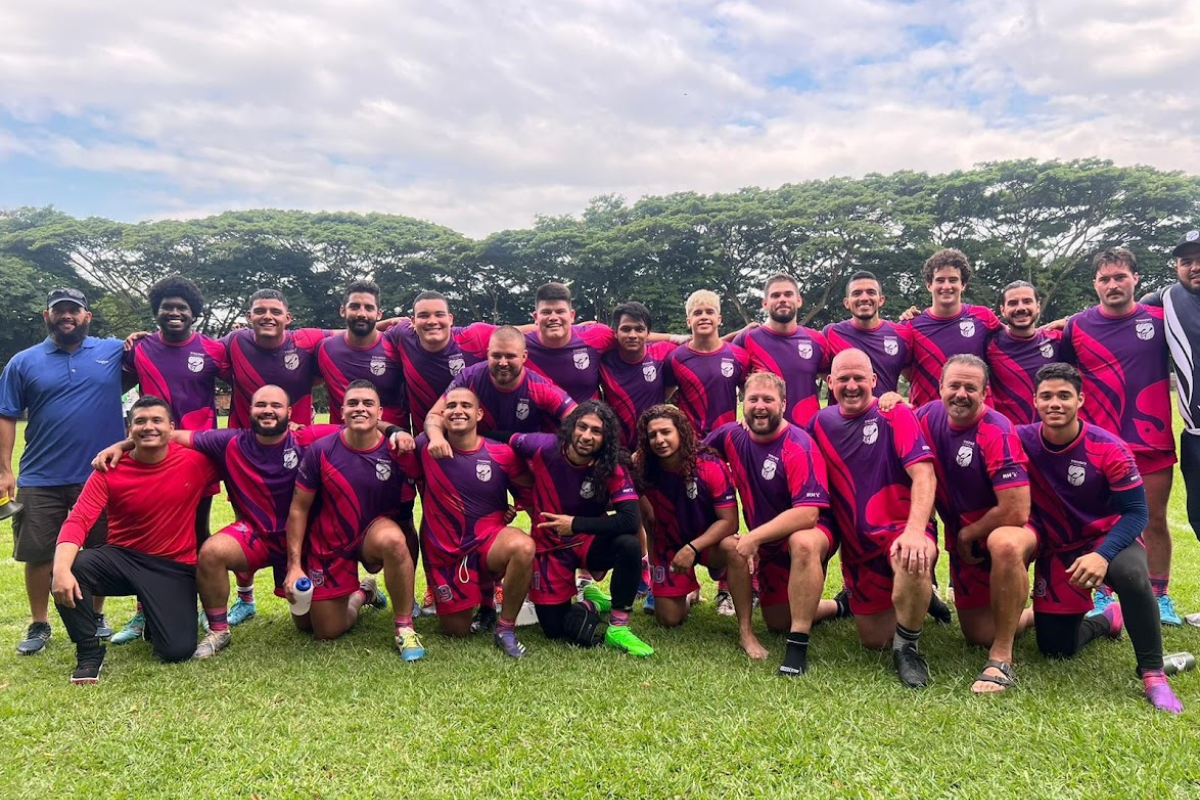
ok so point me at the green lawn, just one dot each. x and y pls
(279, 715)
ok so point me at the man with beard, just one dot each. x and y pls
(787, 348)
(1017, 351)
(1120, 348)
(70, 385)
(886, 343)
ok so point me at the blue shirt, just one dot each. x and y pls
(74, 404)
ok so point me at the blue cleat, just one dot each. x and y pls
(1101, 599)
(649, 606)
(1167, 612)
(410, 647)
(133, 630)
(241, 612)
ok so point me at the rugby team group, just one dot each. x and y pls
(1049, 447)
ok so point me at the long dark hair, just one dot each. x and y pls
(647, 465)
(611, 455)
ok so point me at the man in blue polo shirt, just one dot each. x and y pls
(70, 384)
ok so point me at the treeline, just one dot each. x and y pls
(1037, 221)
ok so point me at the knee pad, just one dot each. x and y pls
(582, 626)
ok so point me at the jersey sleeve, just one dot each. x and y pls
(1005, 458)
(826, 351)
(309, 338)
(717, 439)
(527, 445)
(203, 465)
(740, 339)
(310, 433)
(1120, 468)
(507, 459)
(1154, 298)
(807, 480)
(474, 338)
(718, 481)
(308, 476)
(908, 441)
(598, 336)
(743, 358)
(620, 486)
(213, 443)
(990, 321)
(1054, 335)
(1066, 347)
(660, 351)
(87, 509)
(551, 399)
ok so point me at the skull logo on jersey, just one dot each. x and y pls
(871, 431)
(890, 345)
(649, 373)
(727, 367)
(966, 454)
(805, 350)
(195, 362)
(522, 409)
(378, 366)
(291, 459)
(587, 490)
(291, 360)
(1076, 474)
(457, 364)
(692, 490)
(581, 359)
(1145, 330)
(1047, 349)
(967, 328)
(768, 469)
(383, 470)
(483, 471)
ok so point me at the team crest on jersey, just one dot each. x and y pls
(727, 367)
(871, 432)
(649, 372)
(1047, 349)
(483, 471)
(291, 459)
(587, 490)
(581, 359)
(805, 349)
(378, 366)
(1144, 329)
(317, 576)
(1075, 473)
(383, 470)
(967, 328)
(768, 468)
(966, 454)
(522, 409)
(291, 360)
(195, 362)
(692, 490)
(890, 345)
(456, 364)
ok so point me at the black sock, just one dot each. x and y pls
(795, 657)
(904, 636)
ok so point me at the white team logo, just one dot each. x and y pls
(1192, 236)
(581, 359)
(890, 345)
(726, 367)
(804, 349)
(483, 471)
(522, 409)
(965, 454)
(378, 366)
(383, 470)
(587, 490)
(290, 458)
(692, 490)
(649, 372)
(456, 364)
(195, 362)
(967, 328)
(291, 360)
(1145, 330)
(1075, 474)
(768, 469)
(871, 432)
(1047, 349)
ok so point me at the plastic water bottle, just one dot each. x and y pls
(303, 592)
(1178, 662)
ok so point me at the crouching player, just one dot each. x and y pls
(345, 510)
(882, 485)
(1089, 507)
(690, 514)
(463, 531)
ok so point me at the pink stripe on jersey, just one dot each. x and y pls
(935, 339)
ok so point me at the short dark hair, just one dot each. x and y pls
(947, 257)
(1058, 371)
(631, 308)
(860, 275)
(268, 294)
(430, 294)
(1019, 285)
(361, 287)
(1115, 255)
(148, 401)
(177, 286)
(780, 277)
(967, 360)
(361, 383)
(552, 292)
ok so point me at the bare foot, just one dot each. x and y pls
(753, 649)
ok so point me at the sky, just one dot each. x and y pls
(482, 115)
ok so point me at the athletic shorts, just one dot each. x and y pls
(262, 550)
(972, 583)
(663, 582)
(554, 566)
(1151, 461)
(456, 582)
(870, 580)
(775, 566)
(335, 574)
(35, 529)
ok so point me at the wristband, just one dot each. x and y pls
(391, 430)
(694, 550)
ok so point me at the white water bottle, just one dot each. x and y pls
(303, 592)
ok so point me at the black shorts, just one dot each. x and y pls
(35, 529)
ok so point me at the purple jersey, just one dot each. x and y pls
(708, 384)
(534, 404)
(867, 457)
(259, 478)
(428, 374)
(340, 362)
(1125, 371)
(1071, 488)
(183, 374)
(889, 346)
(685, 508)
(574, 367)
(1013, 362)
(935, 339)
(632, 387)
(291, 367)
(798, 357)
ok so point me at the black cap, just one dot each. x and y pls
(1189, 239)
(66, 296)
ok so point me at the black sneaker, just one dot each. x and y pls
(35, 639)
(911, 666)
(87, 665)
(939, 610)
(484, 620)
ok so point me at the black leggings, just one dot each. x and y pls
(621, 554)
(1189, 466)
(1064, 635)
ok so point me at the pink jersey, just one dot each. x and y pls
(889, 346)
(708, 384)
(1013, 362)
(1125, 370)
(340, 363)
(534, 404)
(428, 374)
(574, 367)
(867, 457)
(184, 375)
(935, 339)
(799, 357)
(684, 507)
(632, 387)
(291, 366)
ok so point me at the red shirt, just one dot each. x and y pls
(151, 507)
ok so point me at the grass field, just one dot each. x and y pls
(278, 715)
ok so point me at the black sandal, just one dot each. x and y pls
(1004, 680)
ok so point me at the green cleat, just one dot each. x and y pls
(132, 631)
(596, 596)
(620, 637)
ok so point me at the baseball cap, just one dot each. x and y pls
(57, 296)
(1190, 238)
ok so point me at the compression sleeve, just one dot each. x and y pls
(1131, 505)
(626, 520)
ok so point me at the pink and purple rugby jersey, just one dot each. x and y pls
(889, 346)
(534, 404)
(183, 374)
(1013, 362)
(935, 339)
(866, 458)
(574, 367)
(708, 384)
(798, 357)
(340, 362)
(632, 387)
(1125, 369)
(685, 508)
(428, 374)
(291, 366)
